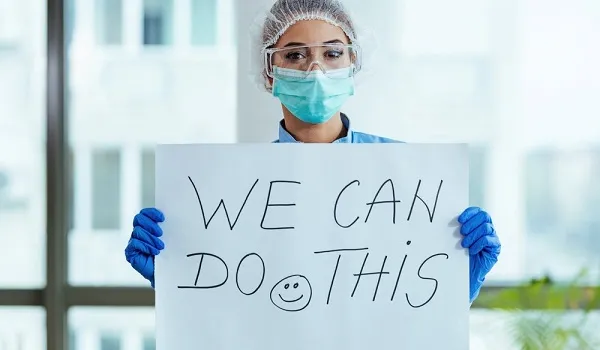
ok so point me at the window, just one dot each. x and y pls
(112, 328)
(71, 187)
(10, 25)
(109, 22)
(149, 343)
(110, 342)
(22, 162)
(148, 178)
(158, 22)
(72, 340)
(477, 176)
(106, 189)
(69, 20)
(204, 22)
(9, 201)
(562, 195)
(539, 200)
(22, 328)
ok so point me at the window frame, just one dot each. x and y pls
(57, 297)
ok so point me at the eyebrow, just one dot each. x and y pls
(334, 41)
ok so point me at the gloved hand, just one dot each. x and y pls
(483, 244)
(145, 243)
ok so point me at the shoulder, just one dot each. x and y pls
(361, 137)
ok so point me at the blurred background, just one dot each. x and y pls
(517, 79)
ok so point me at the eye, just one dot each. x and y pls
(294, 56)
(287, 285)
(334, 53)
(296, 285)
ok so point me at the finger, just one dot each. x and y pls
(144, 236)
(148, 224)
(477, 220)
(144, 265)
(154, 214)
(137, 247)
(483, 230)
(489, 243)
(467, 214)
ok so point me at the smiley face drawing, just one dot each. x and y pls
(293, 293)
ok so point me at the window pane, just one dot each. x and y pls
(22, 328)
(109, 20)
(148, 178)
(518, 82)
(498, 330)
(477, 176)
(106, 189)
(149, 342)
(123, 101)
(158, 22)
(112, 328)
(562, 199)
(110, 341)
(22, 140)
(204, 22)
(133, 328)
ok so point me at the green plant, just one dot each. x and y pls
(544, 315)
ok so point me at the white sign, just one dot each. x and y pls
(307, 246)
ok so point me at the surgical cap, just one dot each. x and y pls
(286, 13)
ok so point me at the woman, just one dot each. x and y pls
(310, 56)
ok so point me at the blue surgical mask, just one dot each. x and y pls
(316, 97)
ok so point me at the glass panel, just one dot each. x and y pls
(158, 22)
(112, 328)
(22, 328)
(124, 99)
(22, 140)
(148, 178)
(562, 197)
(204, 22)
(106, 189)
(498, 330)
(477, 176)
(518, 83)
(109, 21)
(133, 328)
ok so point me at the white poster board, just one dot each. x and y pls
(335, 246)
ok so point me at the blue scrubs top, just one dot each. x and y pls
(351, 137)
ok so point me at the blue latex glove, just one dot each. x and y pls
(145, 243)
(483, 243)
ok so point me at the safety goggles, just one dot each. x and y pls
(329, 58)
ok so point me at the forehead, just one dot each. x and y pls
(312, 32)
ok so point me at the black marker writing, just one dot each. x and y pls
(292, 293)
(361, 273)
(393, 201)
(221, 203)
(399, 273)
(237, 274)
(268, 204)
(427, 278)
(202, 255)
(337, 264)
(336, 204)
(431, 213)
